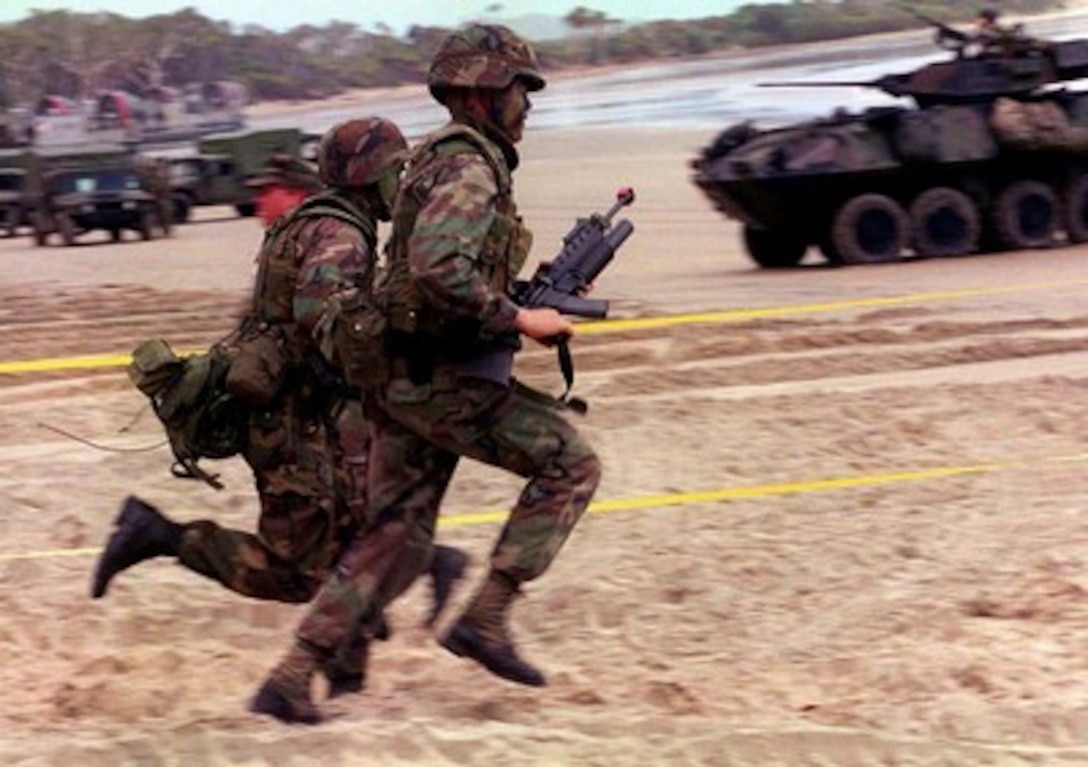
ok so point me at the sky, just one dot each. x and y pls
(399, 15)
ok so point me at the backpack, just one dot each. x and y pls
(188, 394)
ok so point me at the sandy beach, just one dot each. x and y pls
(841, 521)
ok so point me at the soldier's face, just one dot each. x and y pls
(512, 105)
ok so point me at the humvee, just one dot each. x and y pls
(101, 190)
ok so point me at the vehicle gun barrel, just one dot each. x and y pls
(820, 84)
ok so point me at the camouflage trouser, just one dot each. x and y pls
(310, 473)
(419, 433)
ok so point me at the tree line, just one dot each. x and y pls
(77, 55)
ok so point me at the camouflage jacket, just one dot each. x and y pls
(457, 241)
(322, 247)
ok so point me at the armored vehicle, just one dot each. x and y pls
(101, 189)
(991, 155)
(216, 173)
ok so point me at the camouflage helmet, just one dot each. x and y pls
(483, 56)
(358, 152)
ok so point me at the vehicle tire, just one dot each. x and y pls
(1026, 215)
(1075, 204)
(774, 250)
(183, 209)
(67, 229)
(246, 209)
(946, 222)
(11, 222)
(870, 229)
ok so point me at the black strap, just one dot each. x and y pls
(566, 365)
(186, 468)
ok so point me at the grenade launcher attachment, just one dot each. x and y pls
(587, 249)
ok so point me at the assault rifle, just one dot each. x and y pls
(946, 37)
(587, 249)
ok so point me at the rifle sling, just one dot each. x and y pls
(566, 365)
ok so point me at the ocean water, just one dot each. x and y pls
(716, 91)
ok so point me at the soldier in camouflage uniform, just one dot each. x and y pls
(308, 447)
(456, 247)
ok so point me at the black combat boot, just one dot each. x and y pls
(447, 568)
(142, 532)
(481, 634)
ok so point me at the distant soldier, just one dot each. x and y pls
(154, 175)
(286, 181)
(992, 38)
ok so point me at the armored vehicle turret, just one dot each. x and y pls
(989, 153)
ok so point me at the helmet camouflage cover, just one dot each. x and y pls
(359, 152)
(483, 56)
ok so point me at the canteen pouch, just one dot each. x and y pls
(258, 368)
(359, 335)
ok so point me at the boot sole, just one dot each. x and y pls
(271, 702)
(465, 644)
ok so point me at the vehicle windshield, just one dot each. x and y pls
(98, 181)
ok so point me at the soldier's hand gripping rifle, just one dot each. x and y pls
(560, 284)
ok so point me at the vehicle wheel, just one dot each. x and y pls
(246, 209)
(182, 210)
(946, 222)
(1025, 215)
(869, 229)
(67, 229)
(11, 222)
(1075, 207)
(774, 250)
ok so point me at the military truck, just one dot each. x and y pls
(217, 171)
(99, 188)
(991, 156)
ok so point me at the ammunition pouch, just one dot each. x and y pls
(358, 329)
(259, 366)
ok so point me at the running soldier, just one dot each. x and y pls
(308, 444)
(457, 245)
